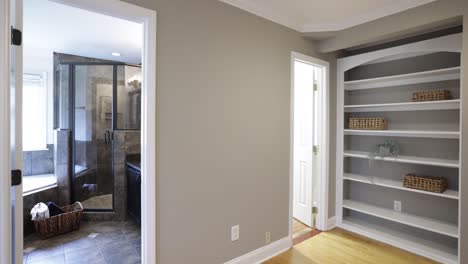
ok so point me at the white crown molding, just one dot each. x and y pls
(264, 253)
(292, 22)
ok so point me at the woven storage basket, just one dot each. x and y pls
(430, 184)
(375, 123)
(60, 224)
(435, 95)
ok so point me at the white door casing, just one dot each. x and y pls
(5, 165)
(16, 126)
(303, 166)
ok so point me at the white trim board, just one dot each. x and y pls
(323, 181)
(264, 253)
(331, 223)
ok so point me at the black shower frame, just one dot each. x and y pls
(71, 117)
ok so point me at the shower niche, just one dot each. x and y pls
(97, 106)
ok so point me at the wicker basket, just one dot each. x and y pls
(434, 95)
(425, 183)
(60, 224)
(368, 123)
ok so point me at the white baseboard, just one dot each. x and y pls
(331, 223)
(264, 253)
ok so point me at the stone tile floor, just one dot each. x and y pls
(115, 243)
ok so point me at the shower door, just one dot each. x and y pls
(92, 132)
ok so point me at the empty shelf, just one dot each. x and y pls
(405, 133)
(407, 159)
(436, 226)
(404, 79)
(394, 184)
(402, 240)
(406, 106)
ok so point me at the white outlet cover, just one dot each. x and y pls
(397, 206)
(267, 237)
(235, 233)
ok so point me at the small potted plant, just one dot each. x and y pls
(389, 148)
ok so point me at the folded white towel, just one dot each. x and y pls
(40, 212)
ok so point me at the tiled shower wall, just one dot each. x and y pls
(38, 162)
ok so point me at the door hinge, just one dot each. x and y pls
(315, 150)
(16, 36)
(16, 177)
(314, 210)
(315, 86)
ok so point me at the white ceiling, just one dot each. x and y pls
(324, 15)
(50, 27)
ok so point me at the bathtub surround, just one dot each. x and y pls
(38, 162)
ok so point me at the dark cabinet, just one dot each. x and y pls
(134, 193)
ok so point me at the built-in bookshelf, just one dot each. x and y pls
(428, 134)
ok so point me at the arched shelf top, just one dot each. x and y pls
(450, 43)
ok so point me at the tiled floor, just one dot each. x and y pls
(115, 243)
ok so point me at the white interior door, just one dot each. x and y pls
(303, 145)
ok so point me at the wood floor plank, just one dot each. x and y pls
(338, 246)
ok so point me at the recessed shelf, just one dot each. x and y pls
(394, 184)
(405, 133)
(406, 159)
(424, 247)
(406, 106)
(432, 225)
(405, 79)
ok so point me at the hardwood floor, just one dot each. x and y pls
(299, 228)
(338, 246)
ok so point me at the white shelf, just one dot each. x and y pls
(405, 79)
(423, 247)
(436, 226)
(407, 159)
(394, 184)
(405, 133)
(406, 106)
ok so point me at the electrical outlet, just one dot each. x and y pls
(235, 233)
(267, 237)
(397, 206)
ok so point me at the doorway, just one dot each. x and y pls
(309, 145)
(12, 15)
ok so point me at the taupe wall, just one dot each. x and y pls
(223, 82)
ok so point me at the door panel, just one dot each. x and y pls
(303, 141)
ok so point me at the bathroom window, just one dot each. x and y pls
(34, 112)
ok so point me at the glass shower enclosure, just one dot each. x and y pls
(92, 100)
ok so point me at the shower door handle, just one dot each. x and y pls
(108, 137)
